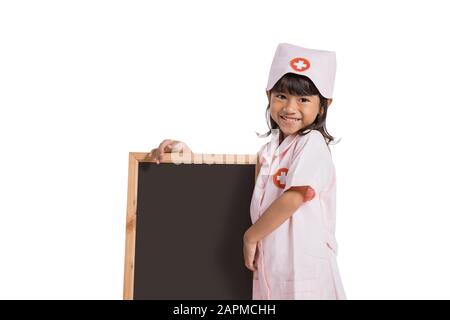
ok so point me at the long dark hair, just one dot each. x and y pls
(299, 85)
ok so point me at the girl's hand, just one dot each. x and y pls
(251, 255)
(168, 146)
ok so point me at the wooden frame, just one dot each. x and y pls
(133, 166)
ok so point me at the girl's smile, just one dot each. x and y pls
(289, 120)
(292, 112)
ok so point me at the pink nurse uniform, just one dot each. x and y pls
(298, 259)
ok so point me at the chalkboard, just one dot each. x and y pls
(185, 223)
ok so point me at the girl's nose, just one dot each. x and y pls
(291, 105)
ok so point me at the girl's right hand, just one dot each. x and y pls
(168, 146)
(251, 255)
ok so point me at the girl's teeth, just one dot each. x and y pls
(289, 119)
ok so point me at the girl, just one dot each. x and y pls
(291, 247)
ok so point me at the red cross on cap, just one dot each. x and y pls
(300, 64)
(279, 178)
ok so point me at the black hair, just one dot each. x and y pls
(299, 85)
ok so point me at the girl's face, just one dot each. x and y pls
(293, 113)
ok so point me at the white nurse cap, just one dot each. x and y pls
(318, 65)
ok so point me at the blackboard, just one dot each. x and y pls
(185, 223)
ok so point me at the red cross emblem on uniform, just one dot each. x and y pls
(300, 64)
(279, 178)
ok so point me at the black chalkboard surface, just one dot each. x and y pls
(187, 221)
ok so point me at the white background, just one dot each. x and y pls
(82, 83)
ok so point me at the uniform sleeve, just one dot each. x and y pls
(262, 158)
(258, 161)
(312, 164)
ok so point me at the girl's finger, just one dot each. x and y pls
(249, 265)
(164, 142)
(153, 155)
(172, 146)
(156, 156)
(163, 146)
(177, 146)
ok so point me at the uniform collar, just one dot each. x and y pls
(279, 149)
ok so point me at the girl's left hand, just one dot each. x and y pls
(251, 255)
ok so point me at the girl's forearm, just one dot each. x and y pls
(278, 212)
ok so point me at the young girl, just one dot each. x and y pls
(291, 247)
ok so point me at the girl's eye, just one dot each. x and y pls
(281, 96)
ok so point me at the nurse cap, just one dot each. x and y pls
(318, 65)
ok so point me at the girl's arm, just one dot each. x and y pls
(278, 212)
